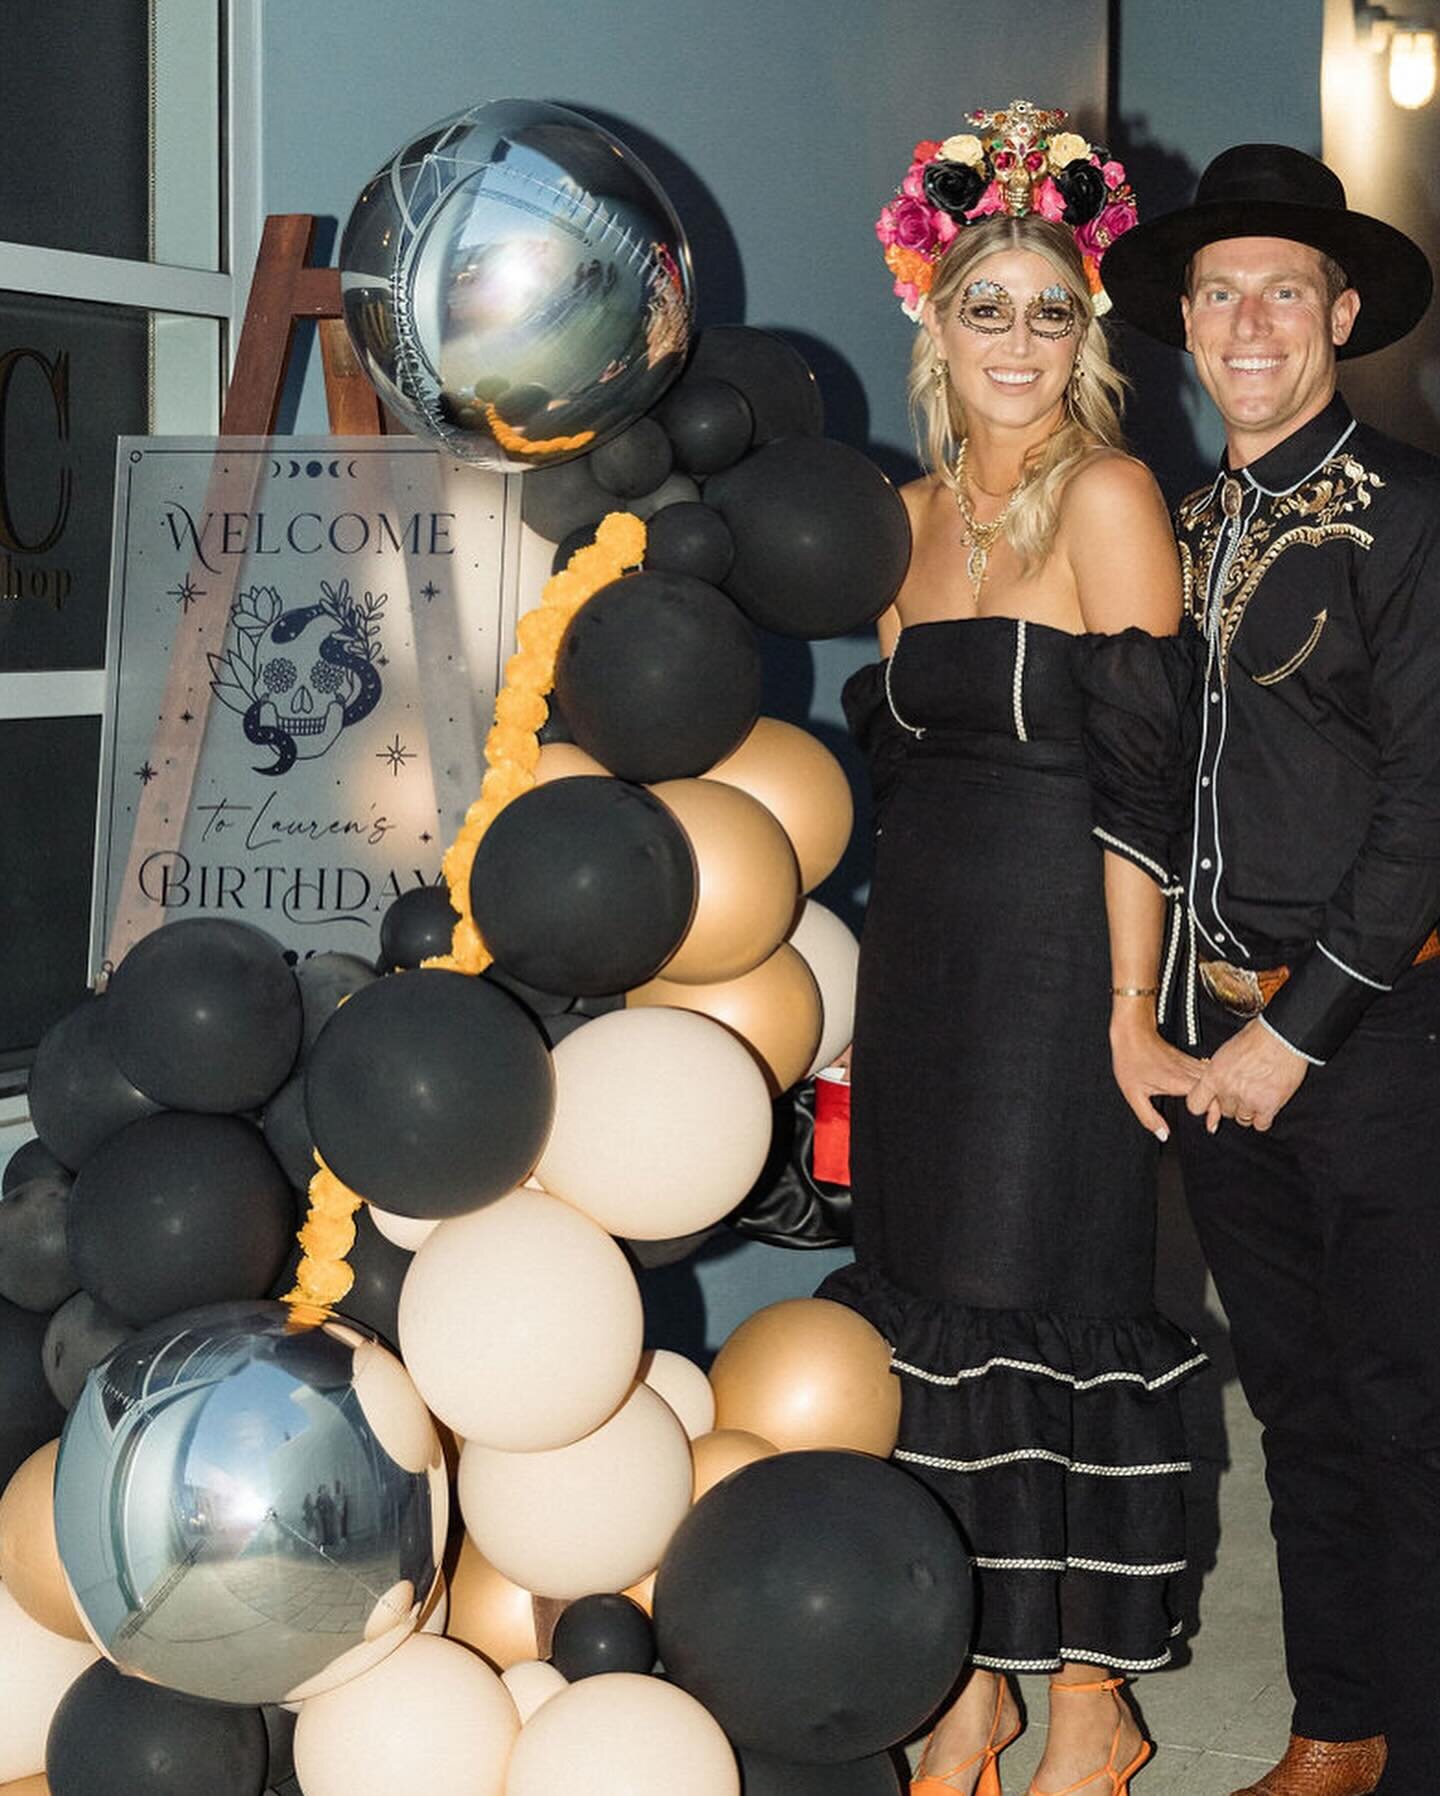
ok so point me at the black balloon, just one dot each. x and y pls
(112, 1735)
(539, 1003)
(379, 1267)
(180, 1210)
(597, 1634)
(286, 1129)
(659, 676)
(35, 1269)
(78, 1096)
(690, 539)
(555, 501)
(818, 1604)
(773, 376)
(761, 1775)
(555, 728)
(578, 539)
(635, 462)
(583, 885)
(822, 539)
(431, 1093)
(325, 981)
(77, 1337)
(205, 1014)
(417, 926)
(31, 1160)
(709, 422)
(29, 1414)
(677, 489)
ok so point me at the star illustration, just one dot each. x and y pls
(146, 773)
(185, 594)
(428, 591)
(187, 717)
(396, 754)
(425, 836)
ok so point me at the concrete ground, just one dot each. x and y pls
(1221, 1715)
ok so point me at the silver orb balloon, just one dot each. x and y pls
(248, 1508)
(516, 285)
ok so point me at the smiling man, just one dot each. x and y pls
(1311, 1145)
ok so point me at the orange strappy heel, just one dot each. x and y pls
(1119, 1780)
(929, 1783)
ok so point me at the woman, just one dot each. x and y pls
(1026, 735)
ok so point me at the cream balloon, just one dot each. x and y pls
(621, 1732)
(662, 1123)
(520, 1322)
(30, 1566)
(723, 1451)
(431, 1718)
(563, 761)
(594, 1516)
(532, 1682)
(409, 1232)
(39, 1668)
(808, 1373)
(747, 881)
(829, 948)
(801, 783)
(490, 1612)
(683, 1386)
(774, 1009)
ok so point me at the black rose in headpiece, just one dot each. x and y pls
(1082, 187)
(953, 186)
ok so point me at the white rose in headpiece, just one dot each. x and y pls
(1068, 147)
(964, 148)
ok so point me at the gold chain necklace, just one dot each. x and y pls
(982, 536)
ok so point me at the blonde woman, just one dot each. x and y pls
(1025, 726)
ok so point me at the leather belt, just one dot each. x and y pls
(1245, 991)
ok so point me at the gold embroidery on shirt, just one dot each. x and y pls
(1321, 510)
(1298, 659)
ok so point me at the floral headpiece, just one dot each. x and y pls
(1015, 162)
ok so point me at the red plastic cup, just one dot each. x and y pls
(830, 1151)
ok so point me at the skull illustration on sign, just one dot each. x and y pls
(299, 677)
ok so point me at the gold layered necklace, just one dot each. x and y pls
(982, 537)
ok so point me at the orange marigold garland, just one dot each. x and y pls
(512, 750)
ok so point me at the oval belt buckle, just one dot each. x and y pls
(1237, 988)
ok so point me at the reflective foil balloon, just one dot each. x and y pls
(250, 1509)
(516, 285)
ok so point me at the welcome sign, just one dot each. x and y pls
(306, 640)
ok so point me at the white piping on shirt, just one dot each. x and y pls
(1374, 984)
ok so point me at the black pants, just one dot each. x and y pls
(1324, 1239)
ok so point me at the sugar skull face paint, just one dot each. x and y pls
(989, 308)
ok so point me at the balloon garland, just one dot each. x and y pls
(512, 751)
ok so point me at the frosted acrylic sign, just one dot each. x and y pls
(306, 639)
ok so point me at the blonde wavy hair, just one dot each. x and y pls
(1093, 403)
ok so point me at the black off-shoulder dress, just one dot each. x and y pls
(1004, 1192)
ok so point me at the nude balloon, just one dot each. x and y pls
(683, 1386)
(774, 1009)
(520, 1322)
(829, 948)
(797, 779)
(618, 1732)
(662, 1122)
(30, 1566)
(808, 1373)
(489, 1611)
(594, 1516)
(39, 1668)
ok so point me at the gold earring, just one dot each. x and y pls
(942, 375)
(1077, 372)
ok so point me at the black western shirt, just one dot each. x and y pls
(1314, 575)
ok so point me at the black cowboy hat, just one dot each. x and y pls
(1269, 190)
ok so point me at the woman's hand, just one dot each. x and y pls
(1147, 1067)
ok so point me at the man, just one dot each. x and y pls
(1311, 1145)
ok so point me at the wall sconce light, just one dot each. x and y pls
(1412, 49)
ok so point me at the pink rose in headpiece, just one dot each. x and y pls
(1114, 173)
(992, 200)
(914, 223)
(946, 229)
(1114, 221)
(914, 183)
(1048, 200)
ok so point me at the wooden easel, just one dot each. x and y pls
(285, 290)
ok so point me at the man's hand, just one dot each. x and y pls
(1250, 1080)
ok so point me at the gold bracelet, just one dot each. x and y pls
(1134, 991)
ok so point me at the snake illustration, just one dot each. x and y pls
(336, 652)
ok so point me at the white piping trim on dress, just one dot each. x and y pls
(939, 1463)
(1112, 1567)
(1073, 1655)
(916, 730)
(1374, 984)
(1006, 1363)
(1017, 681)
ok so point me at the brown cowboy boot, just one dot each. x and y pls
(1323, 1768)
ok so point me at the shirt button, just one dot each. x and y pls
(1219, 937)
(1214, 698)
(1206, 864)
(1204, 779)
